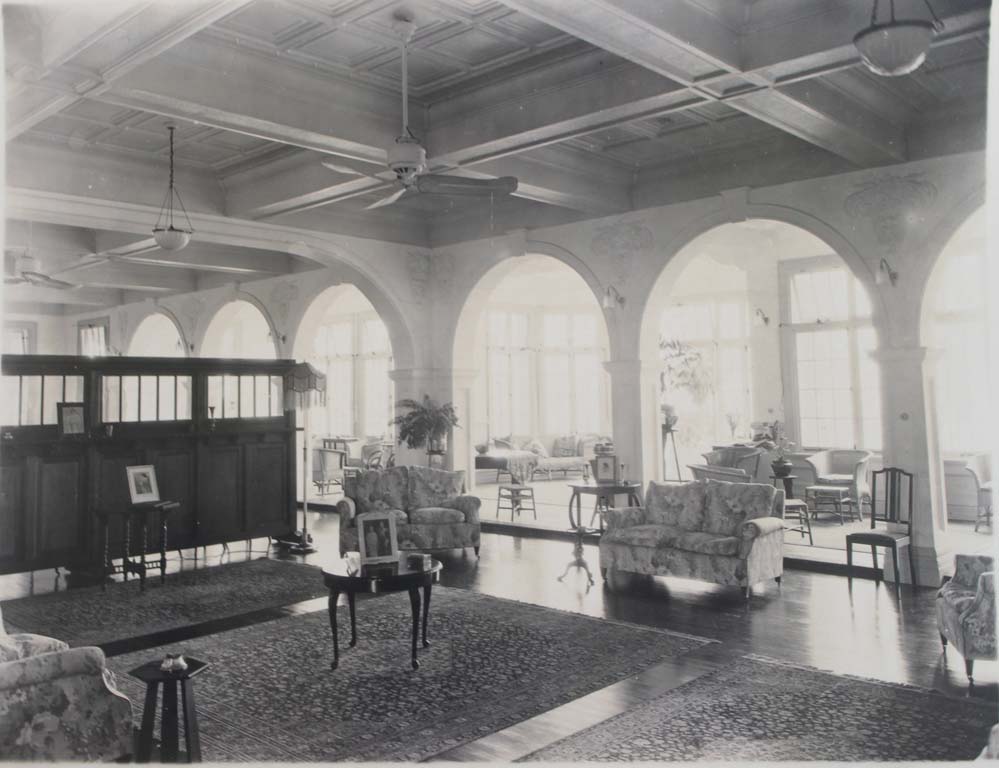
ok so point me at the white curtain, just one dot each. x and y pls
(93, 341)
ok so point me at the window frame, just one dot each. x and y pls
(94, 322)
(786, 270)
(30, 329)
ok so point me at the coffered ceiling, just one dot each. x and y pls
(596, 106)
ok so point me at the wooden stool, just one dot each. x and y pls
(151, 674)
(798, 510)
(515, 498)
(836, 495)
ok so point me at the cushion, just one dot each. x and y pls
(9, 650)
(536, 447)
(681, 506)
(377, 490)
(644, 536)
(729, 505)
(564, 446)
(482, 447)
(429, 487)
(708, 543)
(502, 442)
(436, 515)
(835, 479)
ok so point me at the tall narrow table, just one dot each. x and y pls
(390, 577)
(605, 493)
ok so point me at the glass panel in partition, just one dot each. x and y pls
(183, 397)
(74, 389)
(230, 397)
(167, 385)
(31, 400)
(51, 394)
(129, 398)
(10, 408)
(261, 395)
(111, 399)
(277, 396)
(215, 397)
(246, 399)
(147, 398)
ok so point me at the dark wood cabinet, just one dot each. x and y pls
(233, 477)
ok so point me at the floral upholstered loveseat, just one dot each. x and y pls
(430, 506)
(59, 703)
(966, 609)
(727, 533)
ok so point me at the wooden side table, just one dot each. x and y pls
(142, 513)
(151, 674)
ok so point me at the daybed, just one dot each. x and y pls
(727, 533)
(431, 510)
(524, 456)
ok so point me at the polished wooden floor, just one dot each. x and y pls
(825, 621)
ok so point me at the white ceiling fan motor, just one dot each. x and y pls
(407, 158)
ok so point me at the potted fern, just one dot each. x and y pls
(426, 424)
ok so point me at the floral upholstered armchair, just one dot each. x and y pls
(431, 510)
(966, 609)
(59, 703)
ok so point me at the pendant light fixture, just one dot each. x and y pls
(898, 46)
(168, 236)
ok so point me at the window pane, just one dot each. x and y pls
(183, 398)
(230, 397)
(129, 398)
(584, 331)
(340, 397)
(277, 396)
(820, 295)
(31, 400)
(518, 330)
(555, 330)
(499, 393)
(374, 338)
(262, 396)
(586, 377)
(555, 393)
(825, 398)
(147, 411)
(53, 395)
(10, 407)
(246, 400)
(74, 389)
(376, 396)
(498, 329)
(167, 412)
(521, 421)
(215, 397)
(870, 389)
(110, 390)
(341, 338)
(731, 320)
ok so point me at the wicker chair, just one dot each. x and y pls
(980, 467)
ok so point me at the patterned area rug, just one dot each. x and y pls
(760, 709)
(270, 694)
(89, 616)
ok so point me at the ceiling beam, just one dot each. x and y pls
(97, 297)
(127, 277)
(85, 47)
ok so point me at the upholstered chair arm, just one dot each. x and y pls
(767, 546)
(978, 621)
(467, 505)
(347, 511)
(63, 706)
(968, 569)
(625, 517)
(761, 526)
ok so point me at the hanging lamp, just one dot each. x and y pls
(898, 46)
(168, 236)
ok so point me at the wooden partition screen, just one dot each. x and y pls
(216, 431)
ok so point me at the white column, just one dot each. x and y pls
(908, 424)
(634, 417)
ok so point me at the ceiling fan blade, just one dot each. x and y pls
(341, 168)
(439, 184)
(44, 281)
(388, 200)
(14, 281)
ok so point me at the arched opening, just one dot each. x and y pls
(342, 335)
(755, 323)
(239, 330)
(534, 335)
(954, 328)
(157, 336)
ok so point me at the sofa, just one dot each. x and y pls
(966, 610)
(524, 456)
(59, 703)
(431, 509)
(727, 533)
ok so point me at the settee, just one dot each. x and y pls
(431, 510)
(524, 456)
(726, 533)
(966, 610)
(59, 703)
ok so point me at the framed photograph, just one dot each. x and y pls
(376, 538)
(72, 418)
(142, 485)
(605, 468)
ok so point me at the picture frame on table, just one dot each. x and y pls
(377, 539)
(72, 418)
(605, 468)
(142, 485)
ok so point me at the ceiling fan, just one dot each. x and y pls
(26, 271)
(407, 159)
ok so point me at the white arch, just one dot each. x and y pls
(152, 315)
(232, 302)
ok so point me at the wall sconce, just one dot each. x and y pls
(885, 273)
(760, 317)
(612, 299)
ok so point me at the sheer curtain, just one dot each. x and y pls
(93, 340)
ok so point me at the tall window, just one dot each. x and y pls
(544, 372)
(958, 332)
(833, 385)
(92, 337)
(717, 328)
(355, 352)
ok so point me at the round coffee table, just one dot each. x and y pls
(382, 577)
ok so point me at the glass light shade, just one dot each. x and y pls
(896, 48)
(171, 238)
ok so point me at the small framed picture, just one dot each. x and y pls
(142, 485)
(72, 418)
(376, 538)
(605, 468)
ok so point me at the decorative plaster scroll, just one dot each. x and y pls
(891, 203)
(419, 267)
(282, 296)
(621, 242)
